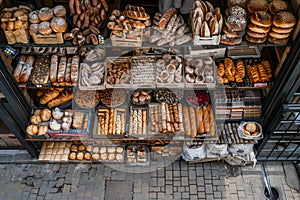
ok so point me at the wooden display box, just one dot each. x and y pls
(56, 38)
(125, 42)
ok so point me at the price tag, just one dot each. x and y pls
(9, 51)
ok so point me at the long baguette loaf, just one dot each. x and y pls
(187, 123)
(49, 95)
(63, 97)
(62, 69)
(68, 72)
(166, 17)
(200, 129)
(193, 121)
(26, 71)
(206, 118)
(53, 68)
(74, 69)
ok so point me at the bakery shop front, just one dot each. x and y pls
(140, 84)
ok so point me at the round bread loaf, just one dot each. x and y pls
(284, 19)
(279, 35)
(278, 41)
(256, 35)
(45, 14)
(277, 5)
(258, 29)
(255, 40)
(33, 17)
(44, 28)
(281, 30)
(257, 5)
(58, 24)
(261, 18)
(59, 11)
(230, 33)
(236, 23)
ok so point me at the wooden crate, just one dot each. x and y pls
(125, 42)
(56, 38)
(17, 36)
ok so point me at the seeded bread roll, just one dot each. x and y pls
(255, 40)
(44, 28)
(279, 35)
(255, 34)
(261, 18)
(230, 40)
(277, 5)
(258, 29)
(257, 5)
(281, 30)
(278, 41)
(284, 19)
(236, 23)
(45, 14)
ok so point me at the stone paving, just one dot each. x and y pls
(215, 180)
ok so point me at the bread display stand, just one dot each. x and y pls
(237, 52)
(214, 40)
(126, 42)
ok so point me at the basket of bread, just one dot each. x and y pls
(127, 26)
(250, 130)
(47, 25)
(14, 22)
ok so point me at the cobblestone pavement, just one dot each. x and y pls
(215, 180)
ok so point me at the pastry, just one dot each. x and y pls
(72, 156)
(255, 40)
(87, 156)
(261, 18)
(43, 130)
(44, 28)
(284, 19)
(79, 156)
(95, 156)
(45, 115)
(236, 23)
(32, 129)
(35, 119)
(111, 156)
(54, 125)
(281, 30)
(278, 41)
(81, 147)
(103, 156)
(277, 5)
(119, 157)
(95, 150)
(258, 29)
(33, 17)
(103, 150)
(257, 5)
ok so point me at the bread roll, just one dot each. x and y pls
(33, 17)
(281, 30)
(206, 119)
(44, 28)
(258, 29)
(79, 156)
(230, 40)
(255, 40)
(236, 23)
(277, 5)
(62, 69)
(59, 11)
(284, 19)
(166, 17)
(257, 5)
(256, 35)
(45, 14)
(64, 97)
(279, 35)
(45, 115)
(261, 18)
(278, 41)
(18, 69)
(32, 130)
(58, 24)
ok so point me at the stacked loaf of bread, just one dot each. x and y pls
(199, 120)
(46, 20)
(235, 25)
(283, 22)
(54, 97)
(169, 28)
(63, 70)
(206, 20)
(259, 72)
(14, 22)
(129, 23)
(111, 121)
(23, 69)
(269, 20)
(88, 17)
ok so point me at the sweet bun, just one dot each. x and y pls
(72, 156)
(58, 24)
(230, 41)
(284, 19)
(45, 115)
(35, 119)
(250, 126)
(44, 28)
(236, 23)
(95, 157)
(59, 11)
(237, 10)
(255, 40)
(278, 41)
(34, 17)
(277, 5)
(261, 18)
(79, 156)
(279, 35)
(103, 156)
(258, 29)
(230, 33)
(242, 3)
(281, 30)
(256, 35)
(111, 156)
(257, 5)
(43, 130)
(45, 14)
(32, 130)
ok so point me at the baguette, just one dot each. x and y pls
(187, 123)
(62, 69)
(200, 128)
(206, 119)
(53, 68)
(49, 95)
(74, 69)
(212, 123)
(26, 71)
(193, 121)
(68, 72)
(166, 17)
(63, 97)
